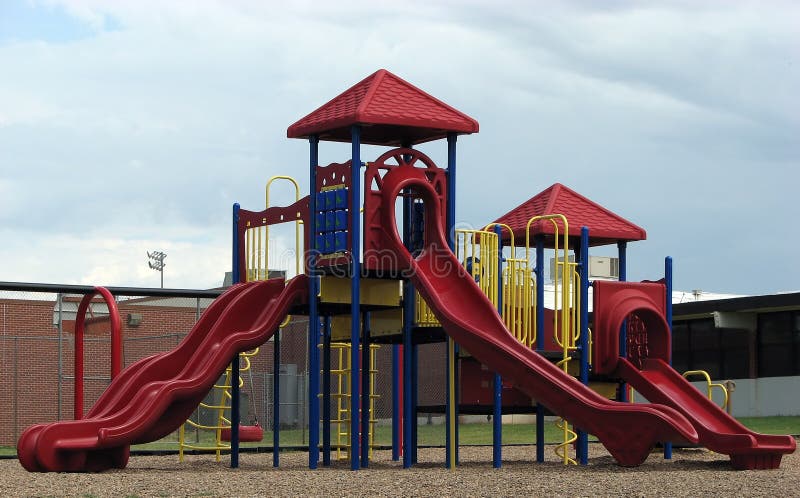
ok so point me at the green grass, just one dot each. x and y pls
(434, 435)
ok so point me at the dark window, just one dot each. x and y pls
(777, 344)
(735, 354)
(704, 341)
(681, 353)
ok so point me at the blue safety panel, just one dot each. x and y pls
(340, 222)
(340, 242)
(341, 198)
(330, 243)
(330, 221)
(320, 201)
(321, 243)
(330, 200)
(320, 222)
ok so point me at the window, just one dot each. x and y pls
(778, 340)
(704, 341)
(681, 353)
(698, 345)
(735, 354)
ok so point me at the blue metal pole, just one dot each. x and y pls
(668, 305)
(355, 292)
(448, 410)
(623, 332)
(313, 312)
(235, 363)
(366, 368)
(395, 402)
(583, 437)
(326, 391)
(497, 414)
(408, 322)
(539, 240)
(276, 399)
(408, 414)
(414, 401)
(450, 221)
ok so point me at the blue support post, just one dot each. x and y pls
(408, 322)
(326, 391)
(395, 402)
(313, 312)
(583, 258)
(448, 409)
(414, 402)
(276, 399)
(236, 278)
(539, 240)
(366, 368)
(408, 414)
(623, 332)
(355, 292)
(668, 305)
(452, 379)
(497, 412)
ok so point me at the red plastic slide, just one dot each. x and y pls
(152, 397)
(629, 432)
(660, 383)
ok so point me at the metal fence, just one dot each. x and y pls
(37, 346)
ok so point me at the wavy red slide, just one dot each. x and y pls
(629, 432)
(152, 397)
(660, 383)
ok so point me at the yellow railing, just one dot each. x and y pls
(476, 250)
(519, 300)
(563, 325)
(709, 385)
(257, 239)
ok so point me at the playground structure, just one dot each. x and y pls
(365, 282)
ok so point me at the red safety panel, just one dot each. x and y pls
(616, 301)
(375, 253)
(271, 216)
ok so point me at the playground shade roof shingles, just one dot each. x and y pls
(605, 227)
(391, 111)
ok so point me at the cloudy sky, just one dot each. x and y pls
(132, 126)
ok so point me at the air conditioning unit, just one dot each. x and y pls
(603, 267)
(134, 319)
(600, 267)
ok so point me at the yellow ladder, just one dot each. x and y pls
(221, 406)
(341, 373)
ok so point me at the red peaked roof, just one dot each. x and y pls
(392, 111)
(604, 226)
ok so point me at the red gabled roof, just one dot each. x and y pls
(604, 226)
(393, 112)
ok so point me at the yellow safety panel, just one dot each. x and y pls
(607, 390)
(381, 323)
(374, 291)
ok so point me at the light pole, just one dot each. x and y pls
(157, 263)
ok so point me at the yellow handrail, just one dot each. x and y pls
(297, 230)
(709, 385)
(561, 294)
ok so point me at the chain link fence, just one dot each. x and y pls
(37, 354)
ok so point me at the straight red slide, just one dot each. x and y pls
(660, 383)
(152, 397)
(629, 432)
